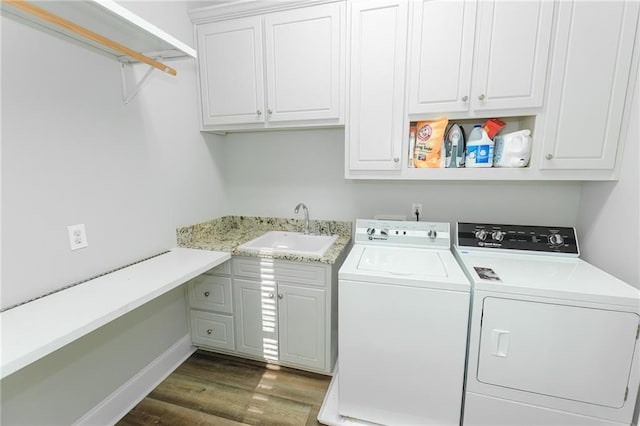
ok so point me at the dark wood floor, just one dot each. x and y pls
(212, 389)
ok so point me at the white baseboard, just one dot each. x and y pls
(127, 396)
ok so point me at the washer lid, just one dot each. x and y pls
(402, 261)
(428, 268)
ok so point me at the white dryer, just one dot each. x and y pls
(553, 339)
(403, 319)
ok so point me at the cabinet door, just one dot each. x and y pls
(441, 55)
(374, 128)
(256, 318)
(303, 63)
(512, 54)
(231, 71)
(302, 325)
(590, 74)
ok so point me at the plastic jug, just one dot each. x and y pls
(479, 149)
(513, 149)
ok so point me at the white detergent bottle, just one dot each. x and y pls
(479, 149)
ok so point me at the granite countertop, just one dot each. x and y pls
(228, 232)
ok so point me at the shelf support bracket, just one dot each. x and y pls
(128, 97)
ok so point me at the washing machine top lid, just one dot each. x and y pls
(427, 268)
(402, 261)
(545, 276)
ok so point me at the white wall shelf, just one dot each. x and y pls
(38, 328)
(106, 27)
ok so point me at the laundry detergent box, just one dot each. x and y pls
(429, 140)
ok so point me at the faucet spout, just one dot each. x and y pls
(306, 216)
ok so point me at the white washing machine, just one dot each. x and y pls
(553, 339)
(403, 318)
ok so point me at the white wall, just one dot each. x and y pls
(608, 221)
(273, 171)
(73, 153)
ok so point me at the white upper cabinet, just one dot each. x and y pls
(592, 73)
(303, 63)
(375, 125)
(273, 70)
(441, 55)
(231, 83)
(469, 56)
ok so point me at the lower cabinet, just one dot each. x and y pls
(301, 320)
(279, 311)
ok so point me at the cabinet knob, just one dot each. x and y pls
(280, 295)
(396, 159)
(270, 295)
(549, 156)
(481, 97)
(259, 112)
(269, 112)
(209, 331)
(465, 98)
(206, 294)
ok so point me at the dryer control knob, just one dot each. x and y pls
(556, 239)
(481, 234)
(497, 235)
(371, 231)
(432, 233)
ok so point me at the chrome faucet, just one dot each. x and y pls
(306, 216)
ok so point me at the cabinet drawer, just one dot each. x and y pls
(211, 292)
(224, 268)
(279, 271)
(212, 330)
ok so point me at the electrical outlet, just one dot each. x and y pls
(416, 207)
(77, 236)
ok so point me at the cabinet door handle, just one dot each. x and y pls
(481, 97)
(280, 295)
(209, 331)
(396, 159)
(259, 112)
(549, 156)
(269, 111)
(465, 98)
(270, 295)
(206, 294)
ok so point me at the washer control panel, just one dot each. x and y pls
(546, 239)
(402, 233)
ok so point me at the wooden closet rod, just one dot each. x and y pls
(75, 28)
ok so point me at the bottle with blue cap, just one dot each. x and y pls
(479, 149)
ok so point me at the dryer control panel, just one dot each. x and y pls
(543, 239)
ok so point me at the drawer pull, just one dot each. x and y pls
(209, 331)
(206, 294)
